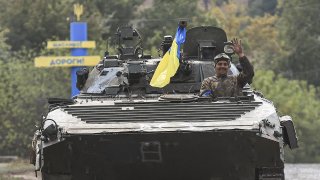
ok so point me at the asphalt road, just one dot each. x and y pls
(302, 171)
(292, 172)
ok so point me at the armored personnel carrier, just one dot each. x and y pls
(120, 128)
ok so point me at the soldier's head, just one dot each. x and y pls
(221, 64)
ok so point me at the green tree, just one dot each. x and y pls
(23, 93)
(4, 47)
(259, 34)
(32, 23)
(300, 31)
(261, 7)
(162, 19)
(112, 13)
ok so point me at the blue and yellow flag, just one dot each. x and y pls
(169, 63)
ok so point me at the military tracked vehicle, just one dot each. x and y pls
(120, 128)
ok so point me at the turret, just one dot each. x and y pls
(130, 71)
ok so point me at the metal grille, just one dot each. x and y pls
(162, 111)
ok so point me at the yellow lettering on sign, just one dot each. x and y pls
(71, 44)
(66, 61)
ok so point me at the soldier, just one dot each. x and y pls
(222, 85)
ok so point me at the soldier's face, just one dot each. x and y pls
(222, 68)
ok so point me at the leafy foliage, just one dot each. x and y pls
(32, 23)
(23, 93)
(162, 19)
(300, 30)
(4, 48)
(261, 7)
(259, 34)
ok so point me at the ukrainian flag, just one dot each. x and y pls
(169, 63)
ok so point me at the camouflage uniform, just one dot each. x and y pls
(229, 86)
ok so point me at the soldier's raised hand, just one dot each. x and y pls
(237, 47)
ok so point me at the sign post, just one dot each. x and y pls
(78, 44)
(78, 32)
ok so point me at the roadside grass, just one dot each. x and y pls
(8, 177)
(7, 170)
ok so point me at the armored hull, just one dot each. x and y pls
(121, 128)
(160, 139)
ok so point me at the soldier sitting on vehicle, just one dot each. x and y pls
(222, 85)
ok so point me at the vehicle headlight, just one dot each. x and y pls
(228, 49)
(50, 129)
